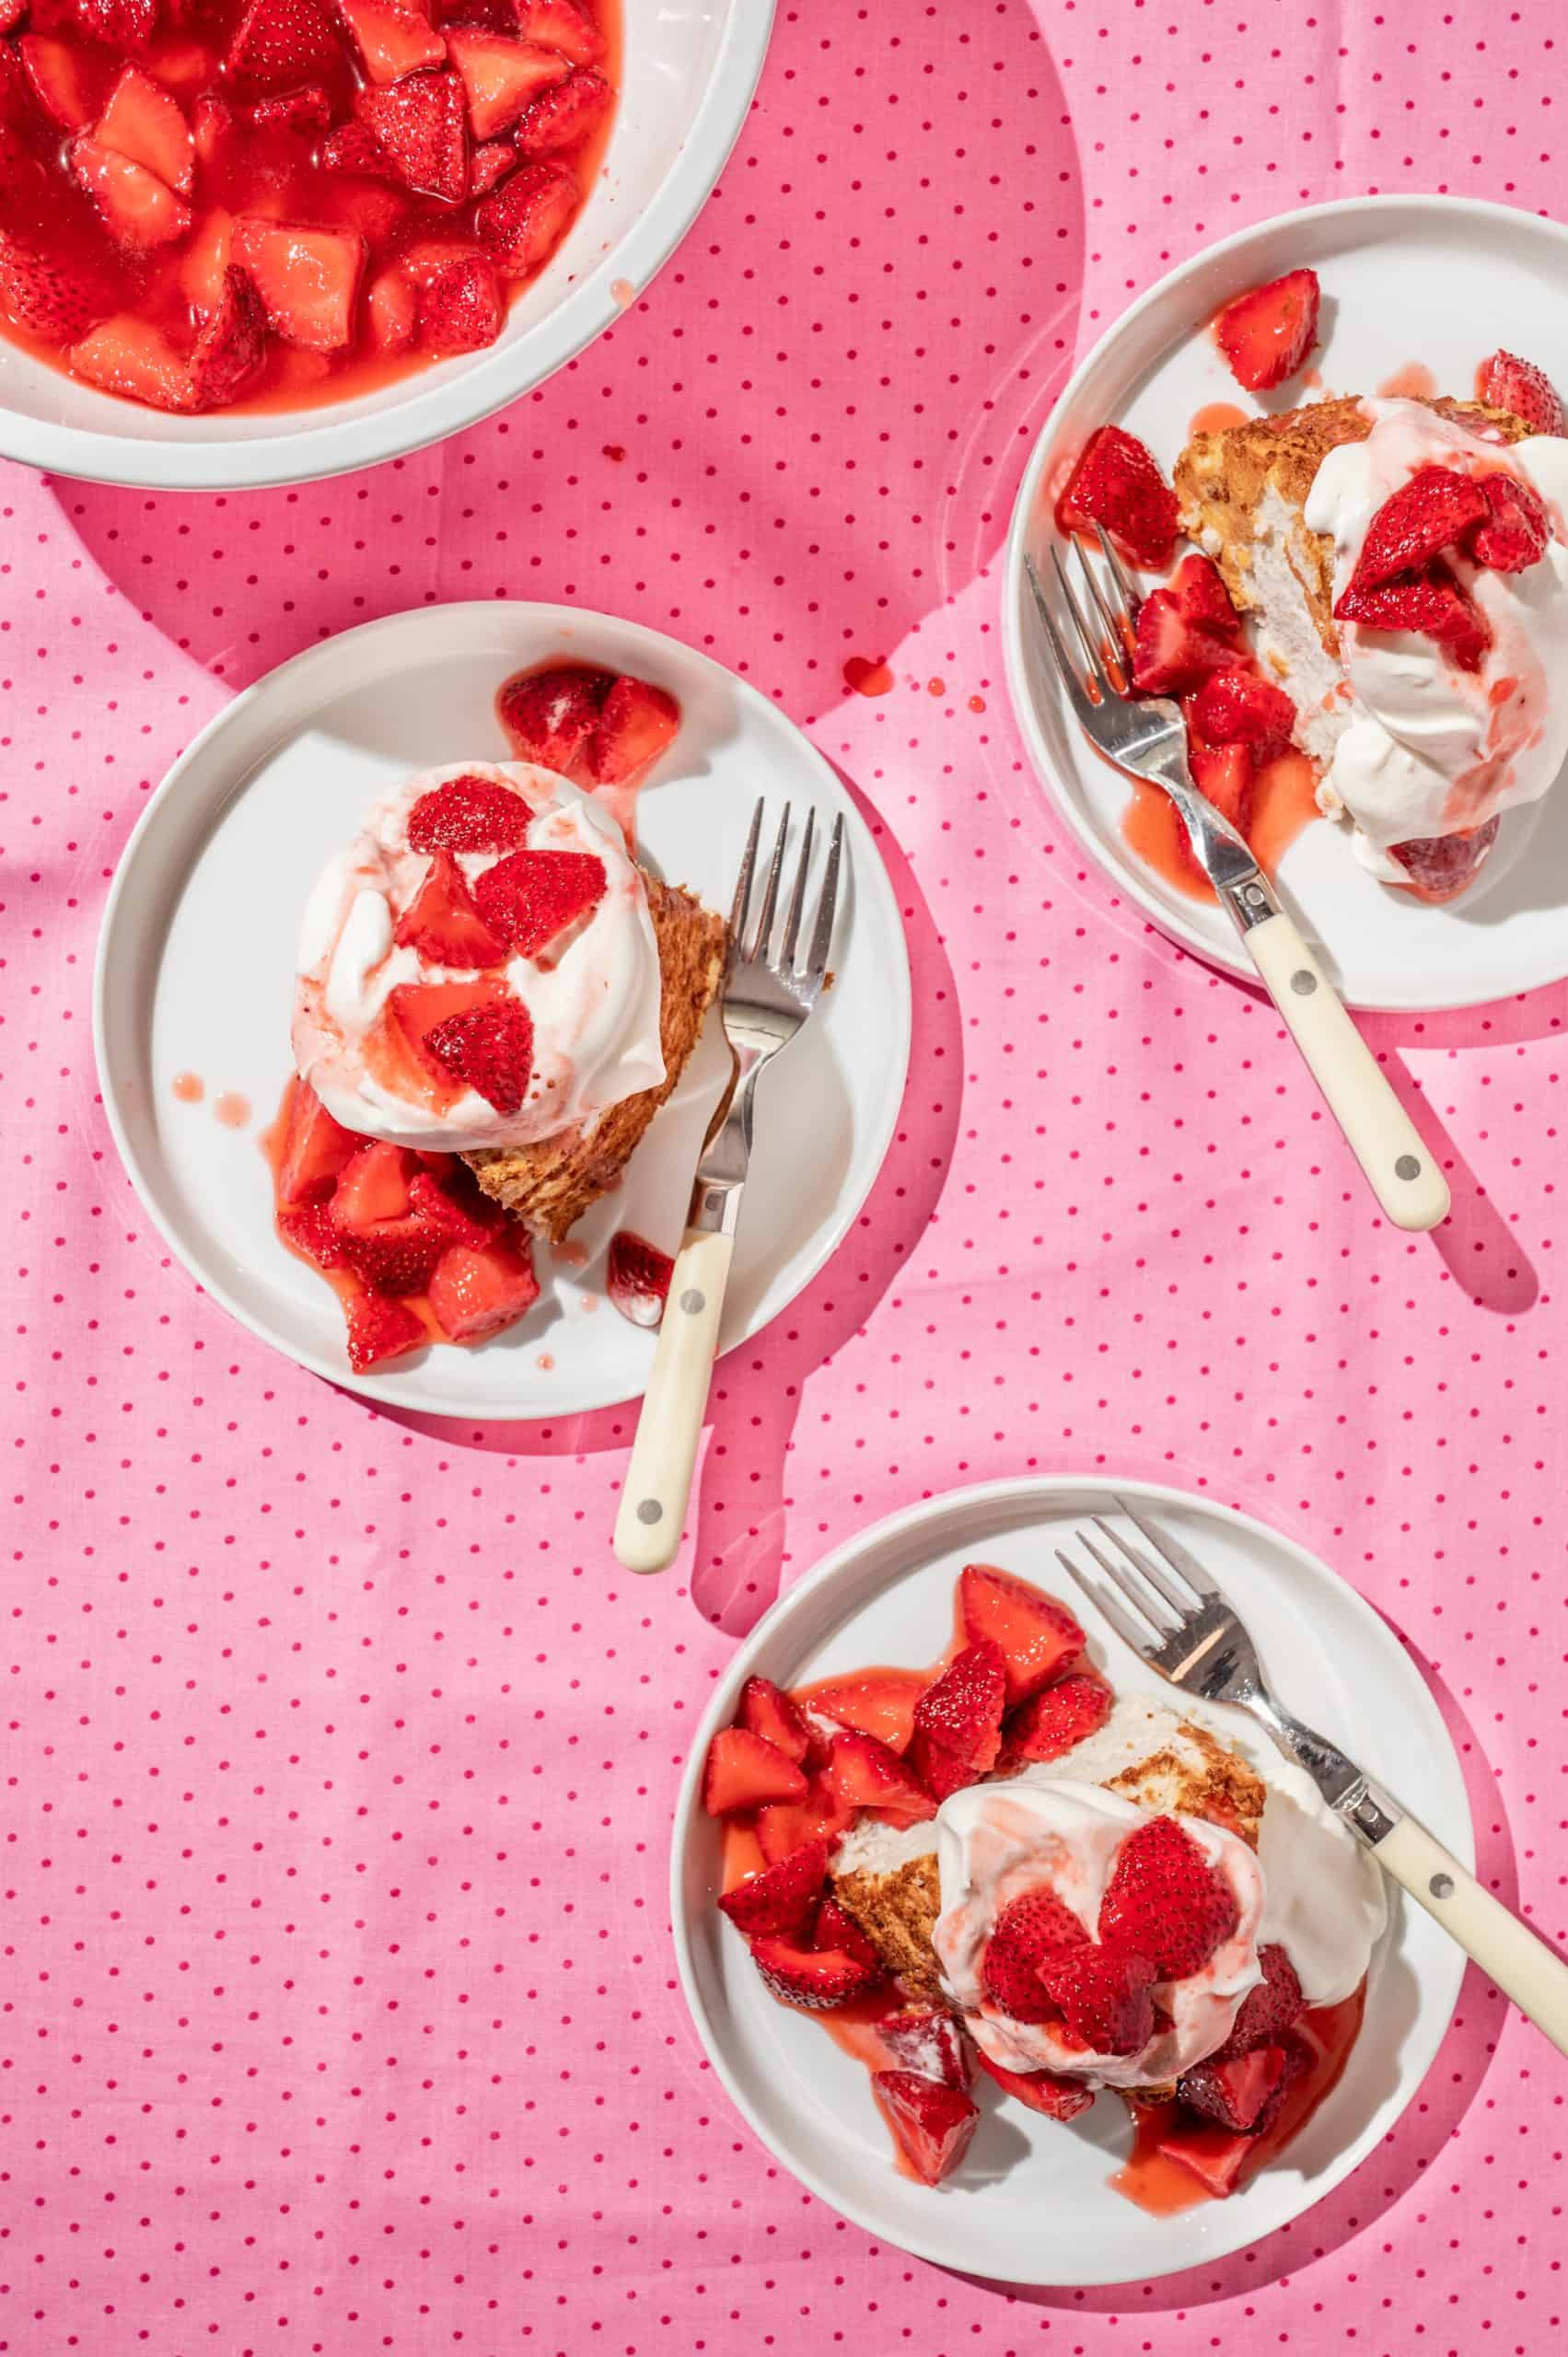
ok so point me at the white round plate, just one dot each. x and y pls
(1435, 280)
(687, 72)
(1031, 2203)
(195, 974)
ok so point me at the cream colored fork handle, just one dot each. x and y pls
(1506, 1950)
(1380, 1134)
(658, 1480)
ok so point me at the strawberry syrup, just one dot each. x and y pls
(1215, 417)
(1284, 803)
(188, 1088)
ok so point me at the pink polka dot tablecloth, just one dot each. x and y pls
(338, 2010)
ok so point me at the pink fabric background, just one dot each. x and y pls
(338, 2011)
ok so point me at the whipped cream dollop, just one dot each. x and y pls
(1428, 748)
(593, 999)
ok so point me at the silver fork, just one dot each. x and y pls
(1145, 737)
(767, 997)
(1174, 1617)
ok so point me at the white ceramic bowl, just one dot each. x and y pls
(688, 71)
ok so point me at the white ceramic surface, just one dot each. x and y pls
(690, 68)
(1030, 2203)
(1438, 281)
(195, 974)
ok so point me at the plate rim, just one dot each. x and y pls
(1225, 956)
(1423, 2039)
(871, 877)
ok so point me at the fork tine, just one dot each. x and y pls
(822, 938)
(743, 881)
(1182, 1605)
(1185, 1565)
(770, 892)
(1125, 591)
(1091, 652)
(1112, 622)
(798, 898)
(1136, 1638)
(1145, 1602)
(1064, 665)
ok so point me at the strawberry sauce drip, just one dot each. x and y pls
(1284, 804)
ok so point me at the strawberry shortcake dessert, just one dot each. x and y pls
(999, 1867)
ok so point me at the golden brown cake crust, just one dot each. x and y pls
(897, 1913)
(550, 1185)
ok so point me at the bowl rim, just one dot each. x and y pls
(459, 393)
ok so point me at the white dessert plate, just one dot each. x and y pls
(196, 982)
(1031, 2202)
(1428, 281)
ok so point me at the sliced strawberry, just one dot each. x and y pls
(866, 1774)
(1038, 1637)
(1117, 483)
(1050, 1724)
(442, 925)
(1267, 2011)
(422, 125)
(139, 211)
(782, 1826)
(929, 2041)
(474, 1294)
(468, 814)
(781, 1898)
(879, 1702)
(1266, 334)
(414, 1010)
(500, 74)
(1236, 707)
(490, 1049)
(305, 109)
(564, 24)
(835, 1930)
(380, 1328)
(352, 148)
(943, 1771)
(489, 165)
(550, 715)
(451, 1203)
(391, 309)
(306, 278)
(1523, 390)
(316, 1149)
(526, 218)
(373, 1187)
(1224, 774)
(745, 1771)
(961, 1713)
(391, 1256)
(1515, 531)
(69, 84)
(312, 1232)
(231, 343)
(123, 24)
(1430, 603)
(1432, 512)
(129, 355)
(147, 124)
(461, 306)
(1103, 1996)
(1237, 2092)
(391, 40)
(530, 898)
(637, 1278)
(636, 724)
(1044, 2091)
(282, 42)
(933, 2125)
(769, 1711)
(817, 1979)
(1441, 867)
(562, 117)
(1172, 654)
(1166, 1901)
(50, 290)
(1202, 597)
(1033, 1930)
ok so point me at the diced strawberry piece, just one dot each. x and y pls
(782, 1826)
(879, 1702)
(312, 1231)
(1166, 1901)
(866, 1774)
(833, 1930)
(352, 148)
(391, 311)
(1031, 1931)
(442, 923)
(490, 1049)
(1267, 2011)
(212, 126)
(1224, 774)
(453, 1205)
(962, 1711)
(468, 814)
(69, 84)
(1430, 603)
(282, 42)
(182, 66)
(932, 2125)
(306, 279)
(500, 74)
(1038, 1637)
(461, 306)
(489, 165)
(50, 290)
(526, 218)
(1117, 483)
(782, 1896)
(745, 1771)
(1441, 867)
(205, 263)
(943, 1769)
(1058, 2098)
(637, 723)
(123, 24)
(530, 896)
(475, 1294)
(637, 1278)
(414, 1011)
(1202, 597)
(562, 117)
(230, 344)
(1103, 1996)
(564, 24)
(768, 1712)
(372, 1187)
(930, 2042)
(316, 1149)
(391, 40)
(1172, 654)
(550, 715)
(308, 109)
(817, 1978)
(1237, 2092)
(129, 355)
(380, 1328)
(1238, 708)
(147, 124)
(1433, 511)
(1523, 390)
(422, 125)
(1267, 333)
(391, 1256)
(1051, 1723)
(137, 209)
(1515, 531)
